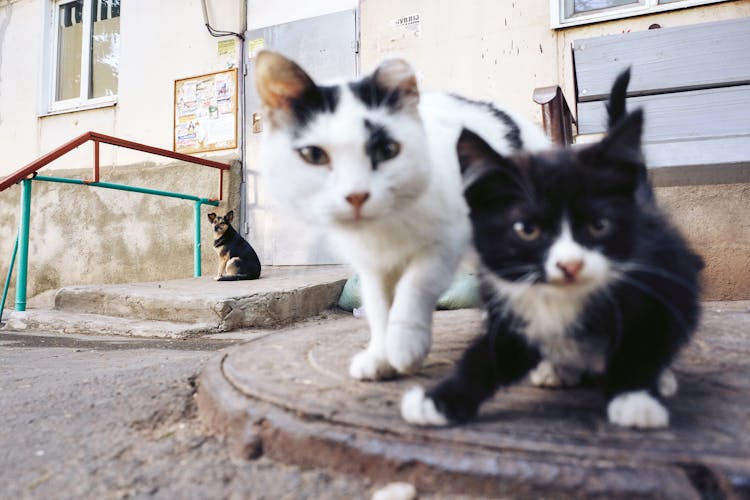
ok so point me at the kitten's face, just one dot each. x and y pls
(561, 219)
(342, 155)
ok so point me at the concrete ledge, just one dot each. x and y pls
(282, 295)
(288, 395)
(82, 323)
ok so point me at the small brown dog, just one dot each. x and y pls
(237, 259)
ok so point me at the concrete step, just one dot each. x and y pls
(189, 306)
(50, 320)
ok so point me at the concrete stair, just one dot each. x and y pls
(186, 307)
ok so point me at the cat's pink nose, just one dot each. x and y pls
(570, 268)
(357, 200)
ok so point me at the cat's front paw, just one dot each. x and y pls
(367, 365)
(548, 375)
(637, 409)
(418, 409)
(217, 277)
(407, 348)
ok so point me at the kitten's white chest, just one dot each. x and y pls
(550, 315)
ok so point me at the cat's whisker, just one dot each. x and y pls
(656, 271)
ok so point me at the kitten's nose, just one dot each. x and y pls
(357, 199)
(570, 268)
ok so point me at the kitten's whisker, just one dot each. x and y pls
(505, 271)
(656, 271)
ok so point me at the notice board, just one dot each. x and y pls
(205, 112)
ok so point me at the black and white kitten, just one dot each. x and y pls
(580, 273)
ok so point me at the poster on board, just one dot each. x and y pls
(205, 112)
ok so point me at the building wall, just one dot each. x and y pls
(85, 235)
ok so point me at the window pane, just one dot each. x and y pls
(105, 47)
(580, 6)
(669, 1)
(69, 38)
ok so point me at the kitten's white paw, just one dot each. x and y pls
(668, 383)
(548, 375)
(217, 277)
(407, 348)
(366, 365)
(637, 409)
(418, 409)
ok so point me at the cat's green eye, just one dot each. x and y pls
(314, 155)
(600, 227)
(527, 231)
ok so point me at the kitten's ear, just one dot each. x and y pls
(623, 140)
(211, 217)
(280, 81)
(229, 217)
(487, 175)
(618, 156)
(397, 76)
(472, 150)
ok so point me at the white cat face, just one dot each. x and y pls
(344, 155)
(350, 166)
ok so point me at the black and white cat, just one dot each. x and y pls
(580, 273)
(374, 162)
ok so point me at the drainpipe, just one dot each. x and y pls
(242, 70)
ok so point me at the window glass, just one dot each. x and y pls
(105, 48)
(69, 43)
(580, 6)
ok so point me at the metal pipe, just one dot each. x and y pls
(7, 279)
(96, 162)
(123, 187)
(23, 242)
(197, 244)
(106, 139)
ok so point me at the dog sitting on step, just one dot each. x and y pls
(237, 259)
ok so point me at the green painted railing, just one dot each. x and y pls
(29, 173)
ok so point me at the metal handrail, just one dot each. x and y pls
(43, 161)
(28, 173)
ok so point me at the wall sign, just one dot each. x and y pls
(205, 112)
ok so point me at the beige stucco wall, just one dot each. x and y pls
(479, 48)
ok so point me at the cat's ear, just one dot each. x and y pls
(398, 78)
(623, 140)
(280, 81)
(473, 151)
(211, 217)
(229, 217)
(488, 177)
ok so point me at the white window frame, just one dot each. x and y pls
(558, 19)
(50, 105)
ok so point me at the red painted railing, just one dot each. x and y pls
(115, 141)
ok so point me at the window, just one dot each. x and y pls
(84, 60)
(575, 12)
